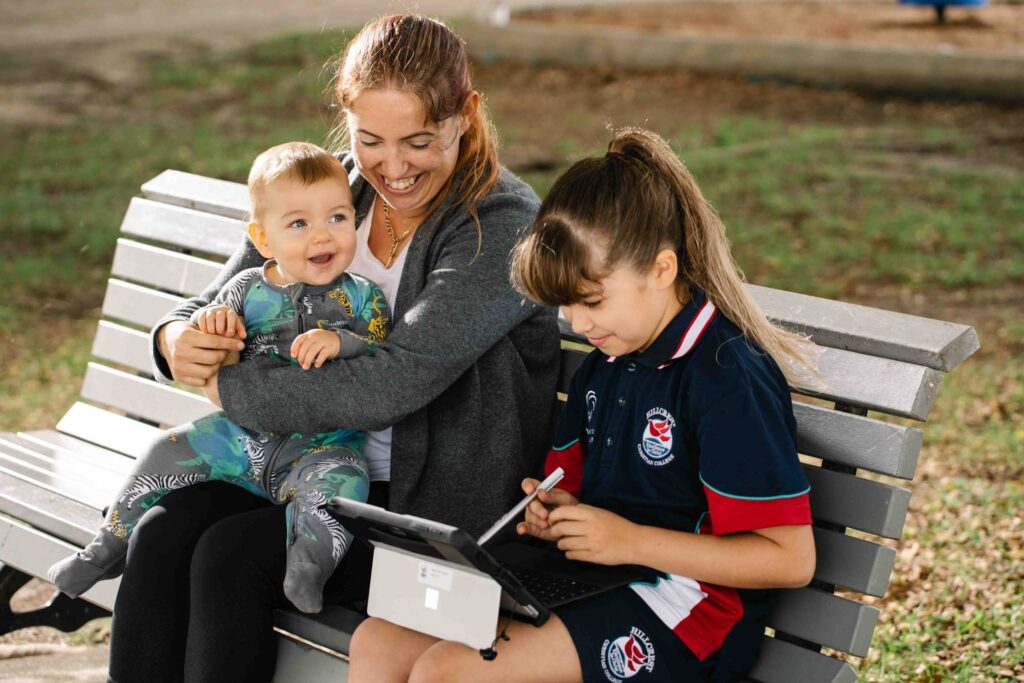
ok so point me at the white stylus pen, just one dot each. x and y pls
(546, 485)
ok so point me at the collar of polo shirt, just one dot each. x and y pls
(682, 334)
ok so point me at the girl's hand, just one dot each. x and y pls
(193, 356)
(593, 534)
(221, 320)
(316, 347)
(539, 509)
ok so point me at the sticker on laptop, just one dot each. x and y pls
(435, 575)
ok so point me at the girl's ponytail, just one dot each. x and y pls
(635, 201)
(706, 260)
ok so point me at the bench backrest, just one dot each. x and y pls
(175, 237)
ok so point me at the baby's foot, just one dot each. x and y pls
(75, 575)
(101, 559)
(304, 586)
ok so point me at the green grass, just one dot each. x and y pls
(817, 207)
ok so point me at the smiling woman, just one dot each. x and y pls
(459, 397)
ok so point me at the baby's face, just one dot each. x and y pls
(309, 229)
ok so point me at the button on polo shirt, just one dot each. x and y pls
(696, 433)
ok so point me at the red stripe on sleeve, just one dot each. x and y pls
(729, 515)
(571, 461)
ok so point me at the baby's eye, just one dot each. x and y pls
(337, 218)
(298, 223)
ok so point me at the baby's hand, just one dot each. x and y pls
(539, 509)
(220, 320)
(316, 347)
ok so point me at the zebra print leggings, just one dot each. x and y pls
(301, 472)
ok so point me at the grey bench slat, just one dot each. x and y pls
(861, 442)
(852, 562)
(898, 336)
(879, 384)
(18, 468)
(60, 464)
(857, 503)
(782, 662)
(107, 430)
(332, 628)
(297, 661)
(33, 551)
(184, 228)
(56, 445)
(47, 510)
(824, 618)
(163, 269)
(137, 305)
(192, 191)
(145, 398)
(124, 345)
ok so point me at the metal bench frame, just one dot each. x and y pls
(53, 483)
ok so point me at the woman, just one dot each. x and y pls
(458, 400)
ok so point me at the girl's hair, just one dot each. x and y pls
(300, 161)
(631, 203)
(423, 57)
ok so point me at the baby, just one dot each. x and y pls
(300, 307)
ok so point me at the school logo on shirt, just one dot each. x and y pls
(627, 656)
(656, 444)
(591, 404)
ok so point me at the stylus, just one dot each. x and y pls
(546, 485)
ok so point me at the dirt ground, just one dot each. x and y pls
(990, 29)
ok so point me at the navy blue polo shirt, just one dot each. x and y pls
(697, 434)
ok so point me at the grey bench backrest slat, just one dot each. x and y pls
(899, 336)
(124, 345)
(192, 191)
(782, 662)
(853, 563)
(182, 227)
(880, 384)
(107, 430)
(188, 275)
(825, 618)
(857, 503)
(135, 304)
(145, 398)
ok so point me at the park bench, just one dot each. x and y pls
(53, 483)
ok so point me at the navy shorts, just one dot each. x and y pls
(618, 639)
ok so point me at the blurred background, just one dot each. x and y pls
(867, 151)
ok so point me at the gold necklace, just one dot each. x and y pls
(395, 241)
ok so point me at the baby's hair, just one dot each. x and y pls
(300, 161)
(622, 209)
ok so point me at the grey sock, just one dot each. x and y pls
(304, 586)
(102, 559)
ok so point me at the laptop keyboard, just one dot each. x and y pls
(552, 590)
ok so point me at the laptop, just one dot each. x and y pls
(437, 579)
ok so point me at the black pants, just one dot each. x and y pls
(204, 573)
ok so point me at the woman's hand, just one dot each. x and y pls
(592, 534)
(539, 509)
(192, 356)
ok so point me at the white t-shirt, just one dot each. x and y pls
(378, 444)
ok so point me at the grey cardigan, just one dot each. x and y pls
(466, 377)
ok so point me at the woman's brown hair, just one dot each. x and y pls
(424, 57)
(636, 200)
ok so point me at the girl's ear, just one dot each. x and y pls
(259, 240)
(469, 110)
(666, 269)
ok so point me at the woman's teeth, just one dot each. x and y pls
(403, 184)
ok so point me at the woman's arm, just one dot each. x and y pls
(775, 557)
(465, 307)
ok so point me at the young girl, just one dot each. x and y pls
(678, 440)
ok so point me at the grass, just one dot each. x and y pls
(928, 218)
